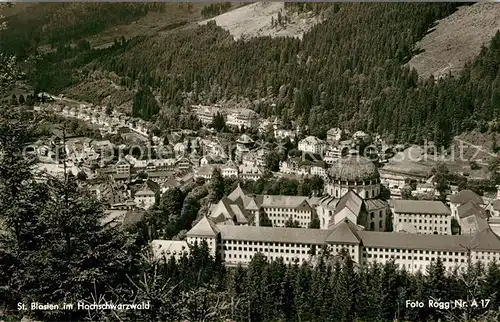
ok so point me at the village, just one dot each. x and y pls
(366, 184)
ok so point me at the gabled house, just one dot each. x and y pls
(145, 198)
(461, 198)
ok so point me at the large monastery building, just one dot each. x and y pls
(352, 217)
(238, 244)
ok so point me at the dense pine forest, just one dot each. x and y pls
(63, 23)
(342, 72)
(349, 70)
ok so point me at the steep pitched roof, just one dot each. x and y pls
(485, 240)
(350, 200)
(464, 196)
(341, 213)
(238, 214)
(251, 204)
(222, 208)
(420, 207)
(273, 234)
(477, 223)
(145, 191)
(328, 202)
(236, 193)
(414, 241)
(279, 201)
(470, 208)
(204, 228)
(344, 232)
(374, 204)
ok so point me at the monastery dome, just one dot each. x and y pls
(353, 169)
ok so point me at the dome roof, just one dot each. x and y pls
(353, 168)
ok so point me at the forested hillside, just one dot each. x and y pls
(347, 71)
(56, 23)
(342, 71)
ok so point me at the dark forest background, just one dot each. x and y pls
(349, 70)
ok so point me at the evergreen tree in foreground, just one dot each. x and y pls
(55, 247)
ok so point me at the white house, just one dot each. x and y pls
(312, 144)
(334, 135)
(428, 217)
(145, 198)
(249, 171)
(166, 249)
(228, 171)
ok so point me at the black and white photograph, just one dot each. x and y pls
(250, 161)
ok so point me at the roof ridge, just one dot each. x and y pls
(204, 227)
(344, 224)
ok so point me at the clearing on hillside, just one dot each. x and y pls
(456, 39)
(254, 20)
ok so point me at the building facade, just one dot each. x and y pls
(145, 198)
(241, 208)
(370, 213)
(243, 118)
(423, 216)
(414, 252)
(312, 144)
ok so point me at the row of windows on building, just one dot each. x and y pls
(367, 194)
(415, 251)
(409, 266)
(419, 216)
(335, 248)
(423, 228)
(265, 250)
(295, 217)
(425, 221)
(421, 258)
(282, 222)
(380, 225)
(373, 214)
(273, 210)
(199, 240)
(261, 243)
(249, 257)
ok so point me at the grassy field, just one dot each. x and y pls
(456, 40)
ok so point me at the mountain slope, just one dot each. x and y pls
(456, 40)
(262, 19)
(341, 73)
(337, 73)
